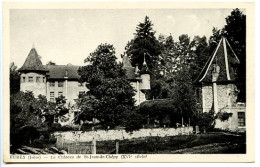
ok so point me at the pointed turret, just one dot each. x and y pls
(145, 69)
(33, 63)
(225, 58)
(145, 76)
(33, 74)
(218, 86)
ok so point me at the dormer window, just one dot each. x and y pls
(30, 79)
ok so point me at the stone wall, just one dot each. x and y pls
(226, 103)
(226, 96)
(103, 135)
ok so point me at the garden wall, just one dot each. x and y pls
(103, 135)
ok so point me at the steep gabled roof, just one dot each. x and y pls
(225, 58)
(33, 62)
(62, 71)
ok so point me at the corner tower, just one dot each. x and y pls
(33, 74)
(145, 76)
(218, 81)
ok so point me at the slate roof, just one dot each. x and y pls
(62, 71)
(226, 64)
(33, 62)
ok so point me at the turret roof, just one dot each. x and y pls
(226, 62)
(33, 62)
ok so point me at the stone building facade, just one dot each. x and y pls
(217, 81)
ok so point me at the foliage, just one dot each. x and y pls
(61, 108)
(14, 79)
(110, 95)
(143, 43)
(206, 120)
(134, 121)
(161, 110)
(31, 118)
(223, 115)
(235, 32)
(25, 122)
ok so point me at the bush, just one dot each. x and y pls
(134, 121)
(223, 115)
(166, 111)
(206, 120)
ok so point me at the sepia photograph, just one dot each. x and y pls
(96, 82)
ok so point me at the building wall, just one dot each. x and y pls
(145, 83)
(70, 90)
(139, 95)
(226, 102)
(233, 122)
(37, 87)
(74, 89)
(226, 96)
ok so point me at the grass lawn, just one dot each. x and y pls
(210, 143)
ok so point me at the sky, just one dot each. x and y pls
(70, 35)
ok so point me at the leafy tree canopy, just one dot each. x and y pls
(14, 79)
(110, 95)
(235, 32)
(143, 43)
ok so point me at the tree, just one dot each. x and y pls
(201, 52)
(32, 117)
(110, 95)
(167, 56)
(25, 121)
(235, 31)
(143, 43)
(14, 79)
(183, 92)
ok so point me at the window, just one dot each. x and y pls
(30, 79)
(60, 84)
(23, 79)
(43, 79)
(38, 79)
(60, 93)
(51, 94)
(51, 83)
(241, 119)
(52, 99)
